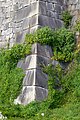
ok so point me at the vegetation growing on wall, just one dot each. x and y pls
(77, 26)
(66, 17)
(61, 104)
(43, 35)
(62, 94)
(61, 40)
(63, 45)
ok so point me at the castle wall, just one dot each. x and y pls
(18, 17)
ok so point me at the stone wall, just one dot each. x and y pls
(34, 85)
(18, 17)
(74, 8)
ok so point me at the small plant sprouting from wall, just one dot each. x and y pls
(66, 17)
(77, 26)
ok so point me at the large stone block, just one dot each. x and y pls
(31, 93)
(40, 93)
(42, 50)
(26, 12)
(40, 57)
(28, 16)
(33, 21)
(35, 77)
(33, 61)
(42, 8)
(50, 21)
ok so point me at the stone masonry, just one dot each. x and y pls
(74, 8)
(35, 80)
(18, 17)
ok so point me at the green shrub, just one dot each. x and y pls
(43, 35)
(66, 17)
(71, 82)
(77, 26)
(63, 45)
(62, 104)
(55, 95)
(11, 77)
(10, 57)
(62, 42)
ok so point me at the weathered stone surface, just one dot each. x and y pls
(55, 62)
(35, 80)
(31, 93)
(25, 16)
(74, 8)
(34, 61)
(35, 77)
(40, 57)
(3, 44)
(44, 50)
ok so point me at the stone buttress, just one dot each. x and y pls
(35, 80)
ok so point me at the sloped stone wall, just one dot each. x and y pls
(34, 85)
(18, 17)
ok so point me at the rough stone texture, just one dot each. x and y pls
(31, 93)
(35, 80)
(74, 8)
(18, 17)
(78, 39)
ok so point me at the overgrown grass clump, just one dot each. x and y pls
(63, 104)
(11, 77)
